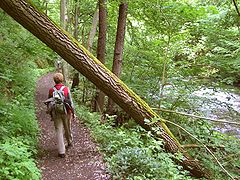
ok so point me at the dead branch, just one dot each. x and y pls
(236, 7)
(199, 146)
(195, 116)
(224, 170)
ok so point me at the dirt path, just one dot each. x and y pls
(82, 161)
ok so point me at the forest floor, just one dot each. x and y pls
(82, 162)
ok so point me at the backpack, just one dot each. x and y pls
(58, 101)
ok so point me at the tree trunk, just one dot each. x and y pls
(89, 46)
(63, 6)
(118, 51)
(76, 80)
(76, 55)
(101, 48)
(93, 29)
(46, 7)
(63, 13)
(76, 15)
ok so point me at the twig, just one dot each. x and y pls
(195, 116)
(199, 146)
(203, 146)
(230, 156)
(235, 4)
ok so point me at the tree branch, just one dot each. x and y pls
(199, 146)
(195, 116)
(226, 172)
(236, 7)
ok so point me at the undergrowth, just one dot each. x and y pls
(224, 147)
(131, 153)
(19, 69)
(18, 135)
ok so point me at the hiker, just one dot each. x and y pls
(58, 65)
(62, 118)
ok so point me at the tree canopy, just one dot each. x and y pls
(173, 51)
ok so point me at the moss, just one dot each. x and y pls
(140, 101)
(124, 86)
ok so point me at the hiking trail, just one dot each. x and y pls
(82, 162)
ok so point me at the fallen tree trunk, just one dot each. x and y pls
(83, 61)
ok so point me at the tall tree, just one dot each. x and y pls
(93, 29)
(76, 80)
(119, 45)
(76, 55)
(63, 6)
(90, 40)
(63, 13)
(101, 48)
(76, 21)
(45, 6)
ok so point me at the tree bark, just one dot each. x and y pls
(101, 48)
(76, 55)
(118, 50)
(63, 13)
(93, 29)
(63, 23)
(76, 80)
(46, 7)
(119, 44)
(76, 15)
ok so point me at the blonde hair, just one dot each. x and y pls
(58, 78)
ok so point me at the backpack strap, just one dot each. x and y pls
(61, 89)
(55, 89)
(60, 92)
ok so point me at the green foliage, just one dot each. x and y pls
(17, 123)
(131, 153)
(23, 59)
(224, 147)
(16, 161)
(142, 163)
(19, 52)
(172, 48)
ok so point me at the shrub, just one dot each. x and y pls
(131, 153)
(16, 161)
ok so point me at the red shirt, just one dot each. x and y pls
(58, 86)
(66, 94)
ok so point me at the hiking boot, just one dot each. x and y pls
(69, 145)
(61, 155)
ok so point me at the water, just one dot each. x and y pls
(220, 104)
(215, 103)
(222, 99)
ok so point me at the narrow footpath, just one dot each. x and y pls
(82, 161)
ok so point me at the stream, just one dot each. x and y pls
(221, 104)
